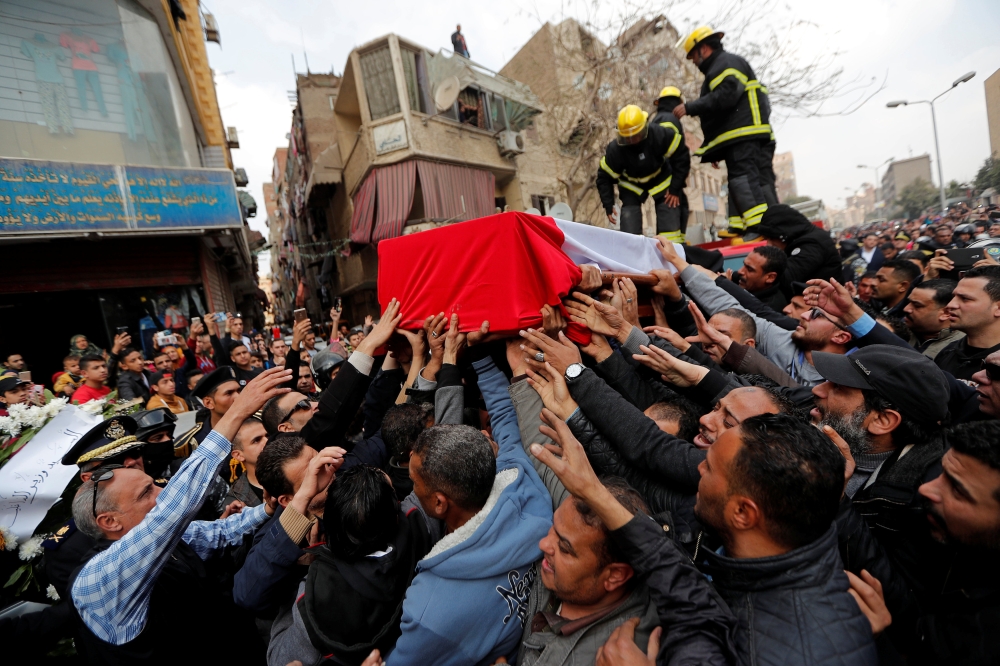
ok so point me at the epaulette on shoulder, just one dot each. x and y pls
(63, 533)
(182, 444)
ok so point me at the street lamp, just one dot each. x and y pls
(877, 181)
(937, 148)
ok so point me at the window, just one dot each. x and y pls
(380, 83)
(542, 202)
(415, 73)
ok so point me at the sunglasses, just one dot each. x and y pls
(102, 474)
(992, 371)
(816, 312)
(305, 403)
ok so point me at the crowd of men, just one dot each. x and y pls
(774, 469)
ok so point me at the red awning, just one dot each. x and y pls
(456, 193)
(364, 207)
(395, 185)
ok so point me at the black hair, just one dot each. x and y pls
(896, 325)
(679, 409)
(992, 276)
(902, 268)
(87, 359)
(775, 260)
(271, 415)
(793, 472)
(271, 462)
(942, 288)
(458, 461)
(237, 346)
(71, 357)
(403, 424)
(747, 322)
(978, 440)
(125, 352)
(871, 274)
(912, 255)
(908, 431)
(607, 550)
(361, 512)
(885, 247)
(779, 396)
(237, 440)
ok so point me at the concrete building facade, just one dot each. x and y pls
(901, 173)
(992, 88)
(784, 171)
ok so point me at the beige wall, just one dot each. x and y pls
(992, 86)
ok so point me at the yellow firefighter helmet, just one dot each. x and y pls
(697, 36)
(670, 91)
(632, 125)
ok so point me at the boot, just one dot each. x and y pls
(668, 223)
(631, 220)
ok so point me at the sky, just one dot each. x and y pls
(914, 48)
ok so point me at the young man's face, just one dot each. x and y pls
(220, 401)
(133, 362)
(193, 379)
(305, 384)
(166, 386)
(923, 315)
(730, 411)
(971, 307)
(866, 288)
(309, 340)
(900, 243)
(203, 345)
(870, 241)
(15, 362)
(18, 395)
(888, 283)
(255, 362)
(72, 366)
(162, 362)
(241, 357)
(963, 502)
(713, 487)
(236, 326)
(356, 339)
(251, 439)
(279, 348)
(752, 275)
(97, 371)
(796, 307)
(943, 235)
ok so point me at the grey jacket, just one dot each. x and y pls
(930, 348)
(528, 407)
(545, 648)
(241, 491)
(773, 341)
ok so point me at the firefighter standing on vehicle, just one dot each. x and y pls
(638, 161)
(680, 163)
(735, 119)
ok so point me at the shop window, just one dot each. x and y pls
(542, 202)
(380, 83)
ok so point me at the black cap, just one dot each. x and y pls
(10, 382)
(798, 288)
(105, 440)
(213, 380)
(158, 375)
(910, 381)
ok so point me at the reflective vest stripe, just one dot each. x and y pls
(644, 179)
(604, 165)
(662, 186)
(734, 134)
(756, 211)
(740, 76)
(673, 144)
(754, 105)
(630, 187)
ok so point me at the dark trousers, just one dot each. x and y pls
(669, 220)
(747, 202)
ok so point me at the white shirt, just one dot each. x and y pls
(868, 254)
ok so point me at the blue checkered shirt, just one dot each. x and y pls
(112, 591)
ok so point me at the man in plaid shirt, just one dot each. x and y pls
(148, 566)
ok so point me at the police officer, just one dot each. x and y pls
(216, 392)
(679, 157)
(735, 119)
(638, 161)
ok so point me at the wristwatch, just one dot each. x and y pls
(573, 371)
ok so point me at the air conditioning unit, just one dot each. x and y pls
(240, 176)
(232, 138)
(211, 29)
(510, 143)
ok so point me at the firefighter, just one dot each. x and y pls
(637, 160)
(680, 162)
(735, 119)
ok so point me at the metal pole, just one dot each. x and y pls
(937, 149)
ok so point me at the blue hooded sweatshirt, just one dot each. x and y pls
(468, 602)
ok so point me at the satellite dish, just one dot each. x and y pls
(533, 211)
(446, 93)
(561, 211)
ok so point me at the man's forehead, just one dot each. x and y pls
(979, 479)
(994, 358)
(748, 401)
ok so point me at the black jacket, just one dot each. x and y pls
(794, 608)
(679, 154)
(698, 628)
(131, 385)
(811, 252)
(638, 168)
(961, 360)
(338, 406)
(733, 106)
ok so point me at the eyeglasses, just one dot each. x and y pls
(102, 474)
(992, 371)
(816, 312)
(305, 403)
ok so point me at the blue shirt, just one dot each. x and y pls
(112, 591)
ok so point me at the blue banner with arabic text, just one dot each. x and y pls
(60, 197)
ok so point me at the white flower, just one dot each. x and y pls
(7, 539)
(9, 426)
(30, 549)
(51, 593)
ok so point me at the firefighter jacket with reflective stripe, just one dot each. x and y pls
(641, 168)
(678, 154)
(733, 105)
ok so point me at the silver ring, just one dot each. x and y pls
(434, 333)
(540, 357)
(628, 300)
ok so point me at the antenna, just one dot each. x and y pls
(302, 39)
(293, 65)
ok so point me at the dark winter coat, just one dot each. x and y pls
(811, 252)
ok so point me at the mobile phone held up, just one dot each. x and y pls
(299, 314)
(338, 304)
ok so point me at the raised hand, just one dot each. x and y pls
(666, 285)
(598, 348)
(673, 370)
(867, 591)
(630, 300)
(833, 298)
(596, 316)
(551, 386)
(590, 279)
(670, 335)
(561, 353)
(845, 450)
(299, 331)
(268, 384)
(383, 329)
(319, 475)
(552, 321)
(709, 335)
(620, 648)
(669, 253)
(434, 334)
